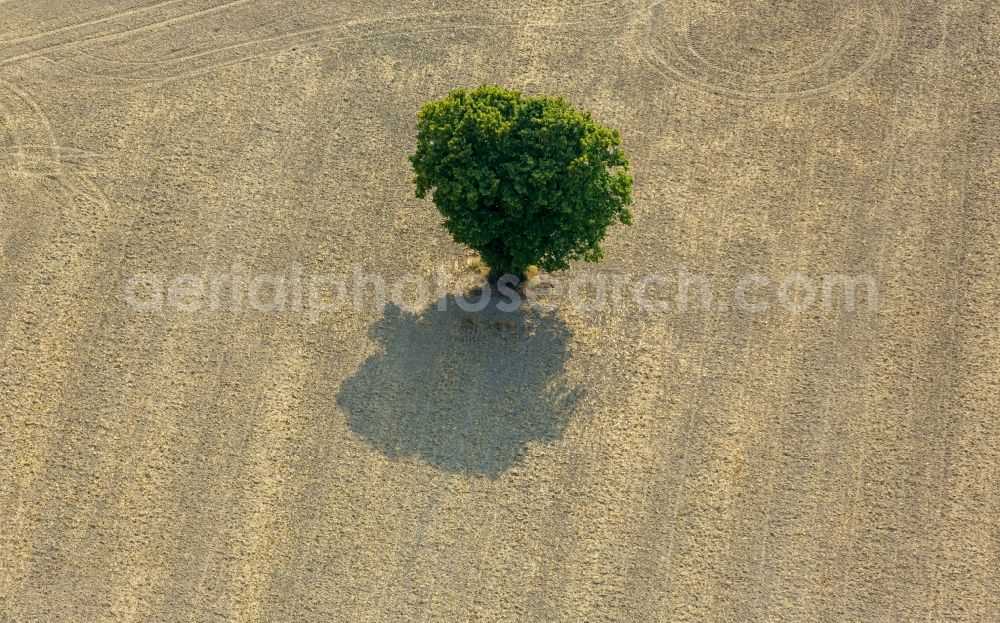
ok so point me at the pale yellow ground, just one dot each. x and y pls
(622, 466)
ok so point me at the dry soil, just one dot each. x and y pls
(438, 465)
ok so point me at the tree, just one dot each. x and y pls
(522, 180)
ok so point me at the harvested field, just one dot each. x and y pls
(249, 450)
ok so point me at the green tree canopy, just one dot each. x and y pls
(522, 180)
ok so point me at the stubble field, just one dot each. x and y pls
(369, 464)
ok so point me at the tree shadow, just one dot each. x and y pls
(465, 391)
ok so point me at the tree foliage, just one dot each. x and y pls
(522, 180)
